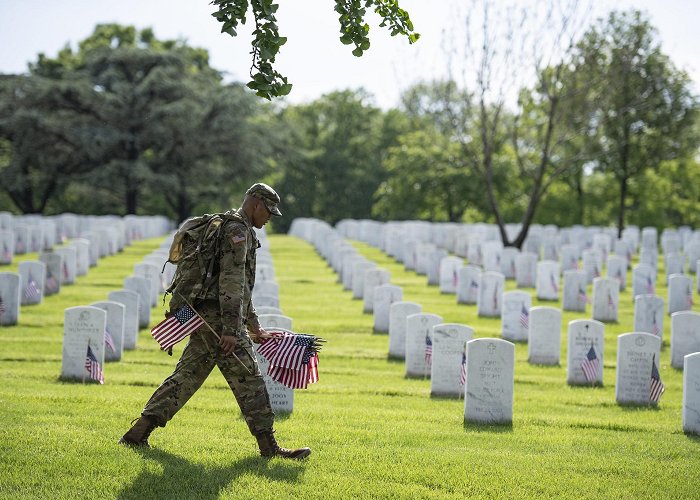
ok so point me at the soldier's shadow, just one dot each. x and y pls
(178, 478)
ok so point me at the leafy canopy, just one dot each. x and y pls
(266, 81)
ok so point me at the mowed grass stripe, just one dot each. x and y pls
(374, 433)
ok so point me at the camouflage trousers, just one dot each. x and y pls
(198, 359)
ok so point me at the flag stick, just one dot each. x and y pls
(215, 334)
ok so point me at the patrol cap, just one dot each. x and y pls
(267, 195)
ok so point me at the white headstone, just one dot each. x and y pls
(267, 288)
(548, 280)
(348, 266)
(281, 397)
(398, 312)
(142, 286)
(490, 381)
(373, 278)
(515, 318)
(419, 329)
(492, 255)
(526, 269)
(9, 298)
(635, 354)
(358, 277)
(264, 273)
(265, 301)
(82, 256)
(448, 367)
(152, 274)
(384, 297)
(508, 262)
(617, 269)
(116, 314)
(649, 315)
(606, 299)
(7, 246)
(592, 264)
(544, 336)
(575, 294)
(267, 310)
(691, 393)
(468, 281)
(449, 274)
(685, 336)
(433, 273)
(32, 276)
(21, 239)
(83, 326)
(584, 367)
(68, 264)
(490, 299)
(52, 284)
(130, 300)
(674, 264)
(568, 257)
(643, 280)
(680, 293)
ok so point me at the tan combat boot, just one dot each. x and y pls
(139, 432)
(269, 448)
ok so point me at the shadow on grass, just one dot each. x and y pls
(178, 478)
(506, 427)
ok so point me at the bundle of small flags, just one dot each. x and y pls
(293, 358)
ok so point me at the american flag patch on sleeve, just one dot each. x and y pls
(237, 238)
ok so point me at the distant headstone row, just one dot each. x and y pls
(101, 332)
(425, 342)
(87, 240)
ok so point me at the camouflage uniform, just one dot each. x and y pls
(229, 314)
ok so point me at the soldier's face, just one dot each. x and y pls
(261, 214)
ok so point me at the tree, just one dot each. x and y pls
(265, 80)
(50, 134)
(502, 56)
(641, 108)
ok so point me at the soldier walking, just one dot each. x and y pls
(223, 300)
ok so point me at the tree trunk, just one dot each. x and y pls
(621, 214)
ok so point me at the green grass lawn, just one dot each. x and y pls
(374, 433)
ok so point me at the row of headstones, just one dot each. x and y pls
(265, 299)
(483, 369)
(55, 268)
(105, 329)
(35, 233)
(548, 242)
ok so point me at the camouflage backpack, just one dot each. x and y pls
(195, 250)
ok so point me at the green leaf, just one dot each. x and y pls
(284, 89)
(365, 44)
(357, 52)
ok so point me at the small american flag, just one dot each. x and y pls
(524, 317)
(582, 294)
(611, 304)
(176, 327)
(474, 285)
(293, 362)
(31, 291)
(428, 349)
(689, 297)
(596, 273)
(455, 278)
(2, 307)
(463, 370)
(618, 275)
(650, 285)
(6, 254)
(553, 282)
(93, 367)
(590, 366)
(51, 285)
(512, 267)
(657, 387)
(495, 298)
(574, 263)
(66, 274)
(109, 341)
(654, 326)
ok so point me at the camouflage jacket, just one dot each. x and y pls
(237, 276)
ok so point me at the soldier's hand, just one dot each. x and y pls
(227, 343)
(260, 334)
